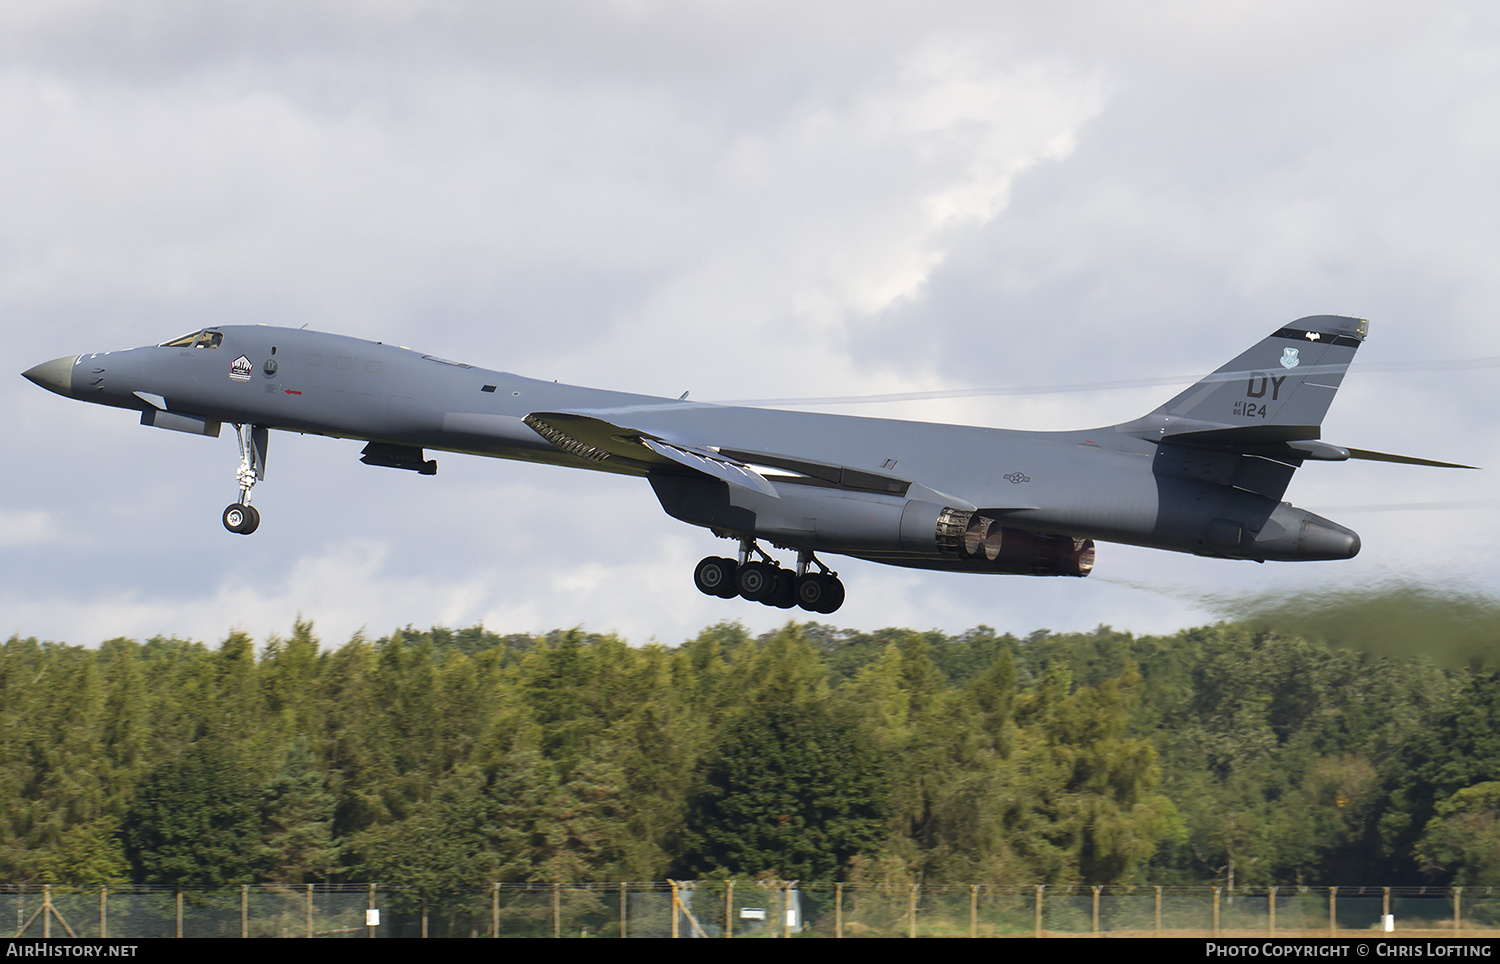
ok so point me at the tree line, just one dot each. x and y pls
(442, 759)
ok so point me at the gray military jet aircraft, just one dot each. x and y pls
(1204, 473)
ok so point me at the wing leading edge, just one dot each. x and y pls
(588, 436)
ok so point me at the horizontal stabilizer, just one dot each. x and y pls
(1289, 443)
(1369, 456)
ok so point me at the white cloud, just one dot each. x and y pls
(26, 528)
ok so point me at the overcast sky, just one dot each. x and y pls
(747, 201)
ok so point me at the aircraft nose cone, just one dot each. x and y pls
(1329, 540)
(55, 375)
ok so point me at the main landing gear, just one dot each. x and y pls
(765, 582)
(242, 517)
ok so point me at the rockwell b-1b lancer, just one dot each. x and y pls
(1204, 473)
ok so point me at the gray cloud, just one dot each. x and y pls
(744, 200)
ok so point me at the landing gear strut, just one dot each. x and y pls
(764, 581)
(241, 516)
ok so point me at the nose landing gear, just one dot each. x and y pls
(241, 517)
(765, 582)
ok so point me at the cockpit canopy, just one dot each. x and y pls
(202, 338)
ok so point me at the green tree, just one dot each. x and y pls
(87, 853)
(298, 844)
(794, 792)
(1461, 843)
(195, 821)
(441, 844)
(1092, 781)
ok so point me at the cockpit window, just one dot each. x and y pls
(202, 338)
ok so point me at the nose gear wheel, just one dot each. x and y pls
(241, 518)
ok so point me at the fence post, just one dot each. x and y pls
(729, 910)
(309, 910)
(370, 928)
(103, 914)
(1096, 911)
(1271, 901)
(1039, 889)
(838, 908)
(179, 911)
(973, 910)
(624, 901)
(1385, 905)
(1458, 921)
(1156, 932)
(1216, 912)
(244, 910)
(556, 909)
(675, 910)
(495, 909)
(911, 912)
(1333, 916)
(46, 912)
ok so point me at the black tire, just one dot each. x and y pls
(834, 597)
(234, 518)
(811, 590)
(757, 581)
(730, 588)
(252, 520)
(714, 574)
(785, 594)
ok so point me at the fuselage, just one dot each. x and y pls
(1107, 483)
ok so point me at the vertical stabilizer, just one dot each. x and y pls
(1287, 380)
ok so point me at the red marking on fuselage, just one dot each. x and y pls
(291, 391)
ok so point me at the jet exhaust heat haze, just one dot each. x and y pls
(1204, 473)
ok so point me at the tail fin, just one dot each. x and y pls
(1250, 424)
(1281, 387)
(1270, 401)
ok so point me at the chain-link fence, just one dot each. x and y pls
(717, 909)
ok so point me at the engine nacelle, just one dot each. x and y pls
(918, 533)
(988, 546)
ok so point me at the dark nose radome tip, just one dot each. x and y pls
(55, 375)
(1330, 541)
